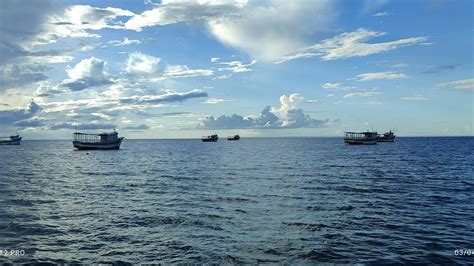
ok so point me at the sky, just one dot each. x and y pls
(183, 69)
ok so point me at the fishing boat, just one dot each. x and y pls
(11, 140)
(102, 141)
(234, 137)
(211, 138)
(386, 137)
(361, 138)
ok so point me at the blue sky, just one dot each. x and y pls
(180, 69)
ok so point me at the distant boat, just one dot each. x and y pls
(211, 138)
(234, 137)
(361, 138)
(102, 141)
(11, 140)
(387, 137)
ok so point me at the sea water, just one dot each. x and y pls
(259, 200)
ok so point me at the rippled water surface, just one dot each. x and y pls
(290, 200)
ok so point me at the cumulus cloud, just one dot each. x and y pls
(351, 44)
(381, 75)
(12, 116)
(164, 98)
(142, 63)
(86, 74)
(287, 115)
(45, 89)
(466, 85)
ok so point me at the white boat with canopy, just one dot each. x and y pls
(11, 140)
(102, 141)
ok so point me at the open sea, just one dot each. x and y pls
(259, 200)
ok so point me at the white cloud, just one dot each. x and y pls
(168, 96)
(215, 101)
(351, 44)
(91, 67)
(142, 63)
(287, 115)
(336, 86)
(461, 85)
(215, 59)
(331, 86)
(414, 98)
(88, 73)
(125, 41)
(381, 75)
(171, 12)
(76, 21)
(223, 77)
(313, 101)
(382, 14)
(173, 71)
(269, 29)
(362, 94)
(237, 66)
(263, 29)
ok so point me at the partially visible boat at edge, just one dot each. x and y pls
(211, 138)
(11, 140)
(234, 137)
(386, 137)
(102, 141)
(361, 138)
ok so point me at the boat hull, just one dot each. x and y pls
(386, 139)
(97, 145)
(209, 140)
(360, 142)
(14, 142)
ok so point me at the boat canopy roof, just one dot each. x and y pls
(363, 133)
(99, 134)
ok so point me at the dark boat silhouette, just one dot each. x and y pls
(211, 138)
(11, 140)
(234, 137)
(386, 137)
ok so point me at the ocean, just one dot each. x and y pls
(257, 200)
